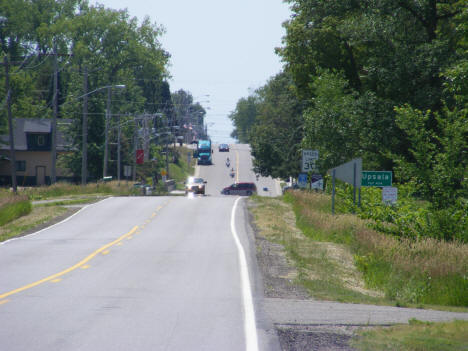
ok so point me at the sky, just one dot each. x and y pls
(220, 50)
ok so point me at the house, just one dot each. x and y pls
(33, 152)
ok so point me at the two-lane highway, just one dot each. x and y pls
(218, 175)
(137, 273)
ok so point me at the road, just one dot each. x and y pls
(139, 273)
(157, 273)
(218, 176)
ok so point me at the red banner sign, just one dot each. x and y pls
(140, 155)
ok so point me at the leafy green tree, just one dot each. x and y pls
(278, 130)
(439, 161)
(243, 118)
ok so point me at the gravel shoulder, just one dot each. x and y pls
(303, 323)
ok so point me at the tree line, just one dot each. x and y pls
(383, 80)
(112, 47)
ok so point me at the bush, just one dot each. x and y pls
(409, 217)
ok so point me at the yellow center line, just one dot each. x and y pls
(4, 301)
(56, 280)
(72, 268)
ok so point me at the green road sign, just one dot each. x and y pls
(376, 178)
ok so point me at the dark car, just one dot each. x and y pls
(240, 189)
(223, 148)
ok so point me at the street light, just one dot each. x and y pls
(84, 158)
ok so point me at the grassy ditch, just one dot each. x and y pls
(67, 189)
(409, 271)
(416, 336)
(13, 207)
(325, 269)
(38, 216)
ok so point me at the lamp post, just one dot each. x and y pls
(84, 158)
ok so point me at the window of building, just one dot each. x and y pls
(21, 166)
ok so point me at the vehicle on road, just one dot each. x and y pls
(240, 189)
(195, 185)
(203, 153)
(223, 148)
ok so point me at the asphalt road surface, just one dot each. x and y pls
(157, 273)
(140, 273)
(218, 174)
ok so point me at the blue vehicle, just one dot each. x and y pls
(204, 152)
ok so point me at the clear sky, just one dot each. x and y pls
(220, 48)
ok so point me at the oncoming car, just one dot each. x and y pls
(195, 185)
(240, 189)
(223, 148)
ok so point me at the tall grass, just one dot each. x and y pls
(66, 189)
(13, 207)
(416, 270)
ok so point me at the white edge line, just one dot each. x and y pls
(250, 328)
(53, 225)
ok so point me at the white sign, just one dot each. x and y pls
(308, 160)
(389, 194)
(127, 171)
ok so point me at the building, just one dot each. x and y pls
(33, 152)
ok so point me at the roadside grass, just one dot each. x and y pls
(13, 207)
(422, 272)
(66, 189)
(180, 170)
(72, 201)
(39, 215)
(325, 269)
(417, 336)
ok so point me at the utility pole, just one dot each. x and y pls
(10, 126)
(118, 150)
(84, 156)
(135, 147)
(53, 176)
(104, 173)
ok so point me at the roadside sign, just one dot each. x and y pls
(376, 178)
(389, 194)
(308, 160)
(316, 182)
(140, 156)
(163, 173)
(302, 180)
(349, 172)
(127, 171)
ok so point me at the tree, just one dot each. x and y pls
(278, 130)
(243, 118)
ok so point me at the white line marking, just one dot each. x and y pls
(53, 225)
(250, 328)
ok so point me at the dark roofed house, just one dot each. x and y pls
(33, 151)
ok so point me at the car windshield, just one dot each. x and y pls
(195, 180)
